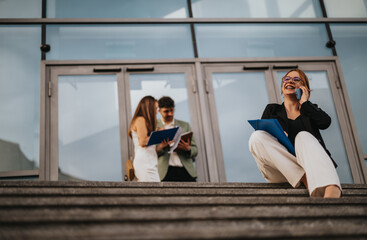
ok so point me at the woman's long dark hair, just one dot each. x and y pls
(146, 109)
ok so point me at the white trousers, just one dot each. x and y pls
(277, 165)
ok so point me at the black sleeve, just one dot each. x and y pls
(267, 112)
(317, 116)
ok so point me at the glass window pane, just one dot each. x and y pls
(261, 40)
(119, 42)
(256, 8)
(321, 95)
(117, 9)
(20, 8)
(346, 8)
(233, 113)
(351, 47)
(21, 178)
(89, 139)
(19, 97)
(159, 85)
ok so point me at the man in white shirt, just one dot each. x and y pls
(178, 166)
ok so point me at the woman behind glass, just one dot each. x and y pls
(142, 124)
(301, 121)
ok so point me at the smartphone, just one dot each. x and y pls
(298, 93)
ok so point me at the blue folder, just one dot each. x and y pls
(157, 137)
(273, 127)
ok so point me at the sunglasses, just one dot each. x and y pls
(287, 78)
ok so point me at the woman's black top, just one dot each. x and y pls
(312, 117)
(294, 127)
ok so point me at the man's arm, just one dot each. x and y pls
(162, 151)
(194, 148)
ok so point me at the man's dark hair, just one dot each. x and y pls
(166, 102)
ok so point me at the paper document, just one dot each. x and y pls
(176, 140)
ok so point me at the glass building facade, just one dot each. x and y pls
(65, 106)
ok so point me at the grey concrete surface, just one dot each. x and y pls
(113, 210)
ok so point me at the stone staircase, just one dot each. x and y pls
(131, 210)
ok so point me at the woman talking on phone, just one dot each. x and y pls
(301, 120)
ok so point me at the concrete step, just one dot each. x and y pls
(109, 210)
(164, 189)
(172, 213)
(165, 192)
(96, 201)
(195, 229)
(150, 185)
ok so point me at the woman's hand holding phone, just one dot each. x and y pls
(302, 94)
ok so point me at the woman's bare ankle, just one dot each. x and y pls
(332, 191)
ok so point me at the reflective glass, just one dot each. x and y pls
(248, 100)
(20, 8)
(159, 85)
(88, 125)
(256, 8)
(19, 97)
(117, 9)
(346, 8)
(21, 178)
(261, 40)
(119, 42)
(321, 95)
(351, 48)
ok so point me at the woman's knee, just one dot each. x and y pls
(257, 137)
(305, 140)
(254, 141)
(304, 136)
